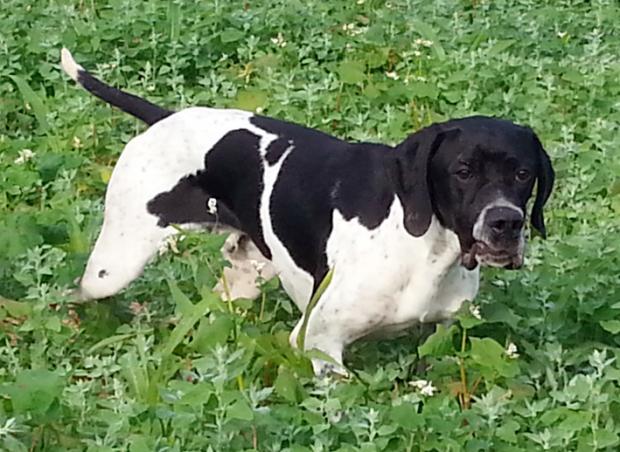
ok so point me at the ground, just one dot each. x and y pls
(167, 366)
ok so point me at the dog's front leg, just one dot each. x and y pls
(319, 336)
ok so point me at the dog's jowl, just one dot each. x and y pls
(404, 228)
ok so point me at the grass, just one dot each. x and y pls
(167, 366)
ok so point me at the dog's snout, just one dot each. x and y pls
(504, 220)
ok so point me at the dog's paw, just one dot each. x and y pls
(324, 368)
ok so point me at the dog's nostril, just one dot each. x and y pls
(516, 224)
(503, 219)
(498, 225)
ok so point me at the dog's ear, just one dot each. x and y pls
(545, 178)
(411, 175)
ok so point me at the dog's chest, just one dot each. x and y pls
(389, 279)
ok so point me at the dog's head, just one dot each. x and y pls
(476, 176)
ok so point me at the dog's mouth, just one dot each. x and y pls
(485, 254)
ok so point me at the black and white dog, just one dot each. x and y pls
(404, 228)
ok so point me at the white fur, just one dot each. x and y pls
(247, 265)
(151, 163)
(386, 280)
(481, 234)
(69, 65)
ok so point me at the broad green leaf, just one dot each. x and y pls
(240, 410)
(188, 320)
(15, 308)
(34, 391)
(406, 415)
(500, 46)
(286, 385)
(184, 306)
(423, 90)
(490, 355)
(250, 100)
(508, 431)
(613, 326)
(231, 35)
(31, 98)
(439, 343)
(351, 72)
(208, 334)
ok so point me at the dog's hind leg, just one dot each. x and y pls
(247, 265)
(144, 199)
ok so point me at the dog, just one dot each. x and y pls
(402, 230)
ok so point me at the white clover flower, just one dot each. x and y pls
(279, 40)
(212, 206)
(475, 311)
(423, 42)
(392, 74)
(512, 351)
(258, 266)
(425, 387)
(259, 110)
(562, 34)
(23, 156)
(170, 243)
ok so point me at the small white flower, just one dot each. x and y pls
(562, 34)
(170, 243)
(23, 156)
(279, 40)
(428, 390)
(423, 42)
(392, 74)
(475, 311)
(417, 53)
(77, 143)
(512, 351)
(212, 206)
(258, 266)
(360, 2)
(259, 110)
(424, 386)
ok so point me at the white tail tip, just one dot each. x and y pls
(69, 65)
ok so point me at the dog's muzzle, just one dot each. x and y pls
(499, 238)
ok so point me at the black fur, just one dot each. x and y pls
(322, 173)
(134, 105)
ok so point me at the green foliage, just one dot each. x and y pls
(167, 366)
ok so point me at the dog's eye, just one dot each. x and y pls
(464, 174)
(522, 175)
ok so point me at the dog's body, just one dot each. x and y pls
(403, 247)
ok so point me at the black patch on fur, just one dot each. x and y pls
(320, 174)
(276, 150)
(234, 176)
(187, 203)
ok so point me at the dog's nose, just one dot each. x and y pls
(504, 221)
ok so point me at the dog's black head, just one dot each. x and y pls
(475, 175)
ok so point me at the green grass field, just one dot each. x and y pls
(166, 366)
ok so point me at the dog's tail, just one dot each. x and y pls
(134, 105)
